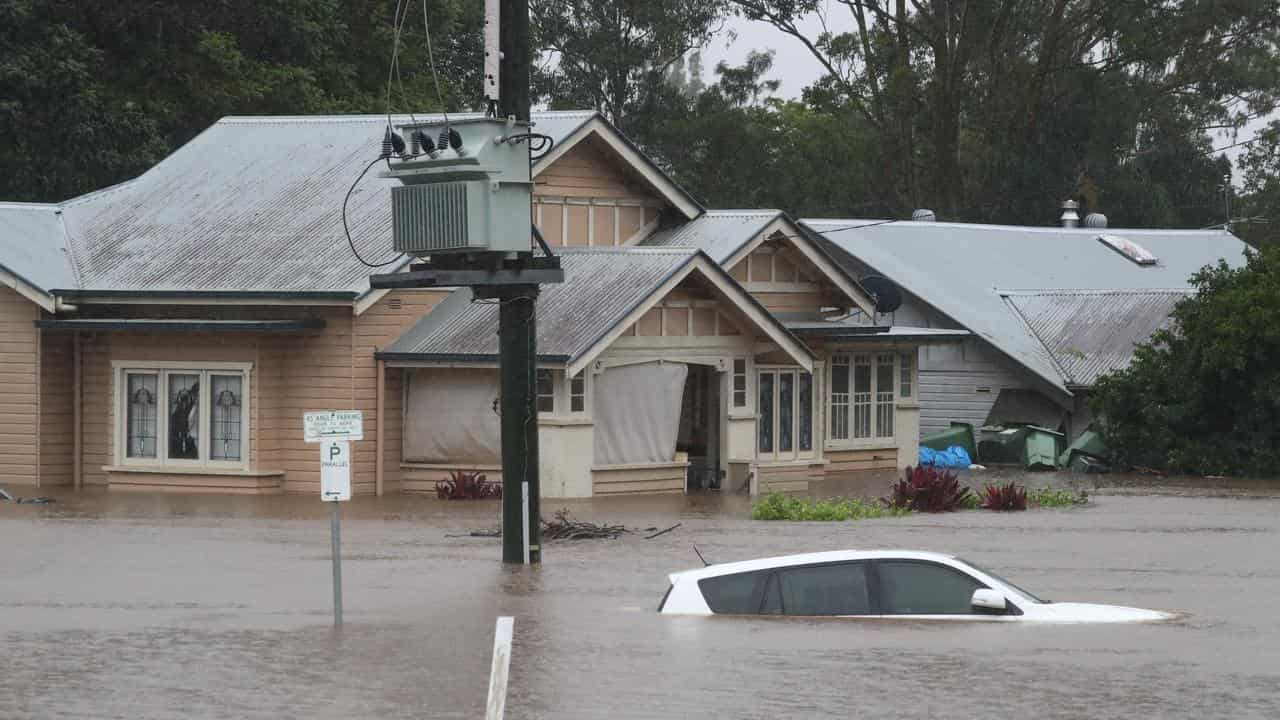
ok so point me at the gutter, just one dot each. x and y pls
(248, 296)
(459, 358)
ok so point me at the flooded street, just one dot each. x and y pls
(158, 606)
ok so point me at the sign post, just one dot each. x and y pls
(334, 430)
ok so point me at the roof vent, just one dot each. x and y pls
(1095, 220)
(1070, 218)
(1129, 249)
(923, 215)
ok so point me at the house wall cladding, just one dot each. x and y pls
(585, 198)
(960, 383)
(20, 378)
(333, 368)
(784, 281)
(376, 328)
(57, 408)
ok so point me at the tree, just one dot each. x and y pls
(613, 55)
(731, 146)
(981, 106)
(94, 93)
(1204, 395)
(1258, 216)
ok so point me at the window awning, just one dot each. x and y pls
(840, 331)
(179, 325)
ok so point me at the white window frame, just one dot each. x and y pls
(162, 370)
(580, 377)
(874, 439)
(556, 402)
(795, 453)
(907, 363)
(746, 383)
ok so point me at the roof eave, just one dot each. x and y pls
(636, 158)
(249, 297)
(27, 289)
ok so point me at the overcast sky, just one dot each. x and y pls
(796, 68)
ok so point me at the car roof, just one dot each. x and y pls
(809, 559)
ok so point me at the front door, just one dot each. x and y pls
(700, 427)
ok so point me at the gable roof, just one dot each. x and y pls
(718, 233)
(578, 319)
(636, 160)
(727, 236)
(1091, 332)
(251, 205)
(962, 270)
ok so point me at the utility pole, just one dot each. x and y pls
(487, 159)
(517, 329)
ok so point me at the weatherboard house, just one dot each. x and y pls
(169, 333)
(1049, 309)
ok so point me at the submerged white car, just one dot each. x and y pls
(879, 584)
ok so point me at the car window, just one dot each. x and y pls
(1024, 593)
(733, 594)
(772, 604)
(921, 588)
(839, 589)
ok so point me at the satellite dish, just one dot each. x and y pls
(886, 294)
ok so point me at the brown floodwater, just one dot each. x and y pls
(116, 605)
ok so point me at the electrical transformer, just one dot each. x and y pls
(467, 188)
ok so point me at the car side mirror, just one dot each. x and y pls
(986, 599)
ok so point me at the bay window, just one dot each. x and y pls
(863, 393)
(182, 415)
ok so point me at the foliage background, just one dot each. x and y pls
(982, 111)
(1203, 396)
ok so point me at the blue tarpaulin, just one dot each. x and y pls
(953, 457)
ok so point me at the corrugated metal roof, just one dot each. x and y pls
(251, 204)
(718, 233)
(1091, 333)
(602, 285)
(961, 269)
(32, 245)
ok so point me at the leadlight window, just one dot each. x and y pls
(806, 412)
(225, 427)
(141, 433)
(765, 424)
(786, 413)
(184, 416)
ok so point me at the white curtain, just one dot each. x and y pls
(637, 413)
(449, 417)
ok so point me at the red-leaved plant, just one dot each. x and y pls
(1004, 497)
(924, 489)
(463, 485)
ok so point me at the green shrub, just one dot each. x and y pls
(1049, 497)
(1200, 398)
(776, 506)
